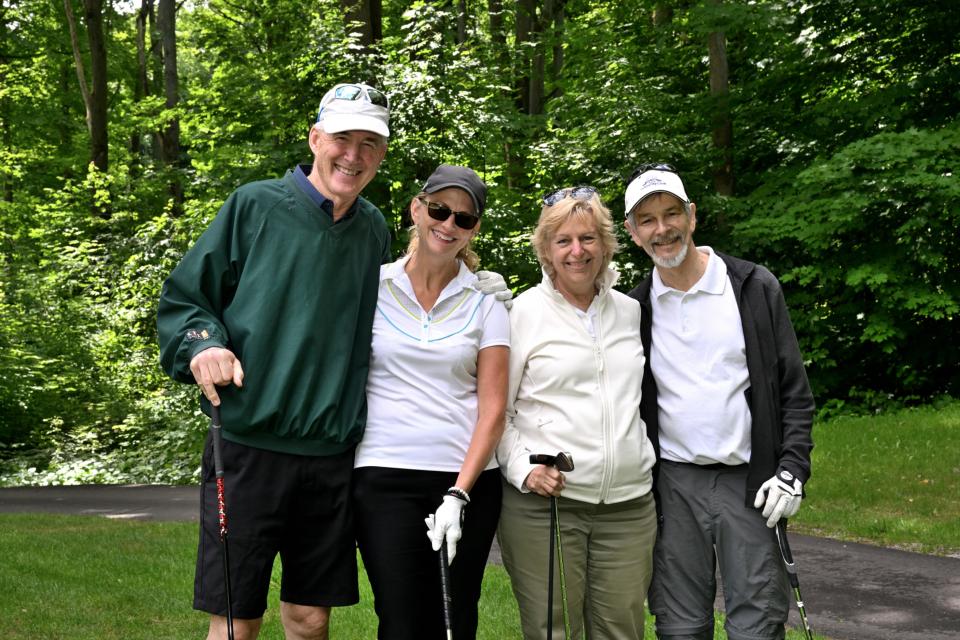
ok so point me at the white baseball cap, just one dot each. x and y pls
(653, 181)
(355, 107)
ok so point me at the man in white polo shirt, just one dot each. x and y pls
(729, 410)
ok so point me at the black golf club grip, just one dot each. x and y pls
(784, 545)
(787, 554)
(445, 588)
(217, 440)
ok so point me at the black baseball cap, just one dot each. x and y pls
(448, 175)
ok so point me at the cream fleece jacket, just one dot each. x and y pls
(570, 392)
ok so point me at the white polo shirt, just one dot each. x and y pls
(422, 386)
(699, 361)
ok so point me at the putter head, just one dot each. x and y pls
(563, 461)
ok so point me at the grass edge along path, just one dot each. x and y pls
(890, 480)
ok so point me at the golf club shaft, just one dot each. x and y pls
(445, 590)
(563, 582)
(787, 555)
(215, 435)
(553, 527)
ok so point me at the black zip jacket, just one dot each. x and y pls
(781, 403)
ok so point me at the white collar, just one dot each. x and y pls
(607, 281)
(396, 273)
(714, 279)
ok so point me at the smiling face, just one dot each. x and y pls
(344, 163)
(661, 227)
(576, 256)
(443, 237)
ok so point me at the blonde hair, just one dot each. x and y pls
(552, 217)
(467, 254)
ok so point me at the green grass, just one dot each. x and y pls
(890, 479)
(88, 578)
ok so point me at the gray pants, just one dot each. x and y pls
(706, 523)
(607, 561)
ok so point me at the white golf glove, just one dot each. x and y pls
(780, 497)
(492, 283)
(446, 523)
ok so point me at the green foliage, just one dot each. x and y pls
(845, 149)
(866, 246)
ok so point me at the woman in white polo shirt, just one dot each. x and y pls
(436, 394)
(576, 366)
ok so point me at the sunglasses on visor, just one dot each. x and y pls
(361, 92)
(577, 193)
(441, 212)
(352, 92)
(650, 166)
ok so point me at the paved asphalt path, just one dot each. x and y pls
(851, 591)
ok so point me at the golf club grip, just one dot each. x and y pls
(784, 544)
(215, 432)
(787, 554)
(217, 438)
(542, 458)
(445, 589)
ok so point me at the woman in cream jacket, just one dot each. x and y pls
(576, 365)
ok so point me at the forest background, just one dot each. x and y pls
(818, 137)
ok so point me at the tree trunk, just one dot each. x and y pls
(558, 20)
(662, 14)
(722, 126)
(93, 13)
(498, 36)
(462, 22)
(167, 25)
(542, 27)
(369, 13)
(526, 11)
(95, 94)
(7, 144)
(5, 134)
(141, 87)
(376, 20)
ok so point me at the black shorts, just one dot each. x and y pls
(277, 503)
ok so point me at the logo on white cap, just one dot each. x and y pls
(650, 182)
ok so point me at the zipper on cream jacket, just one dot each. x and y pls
(571, 392)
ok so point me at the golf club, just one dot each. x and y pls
(792, 574)
(445, 591)
(562, 462)
(215, 430)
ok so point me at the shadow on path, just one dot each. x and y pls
(851, 591)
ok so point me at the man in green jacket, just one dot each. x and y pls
(270, 313)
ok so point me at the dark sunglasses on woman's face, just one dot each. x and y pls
(441, 212)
